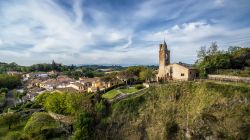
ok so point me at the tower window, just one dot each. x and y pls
(182, 74)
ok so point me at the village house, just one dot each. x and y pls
(176, 71)
(14, 73)
(36, 75)
(78, 86)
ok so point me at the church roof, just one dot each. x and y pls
(189, 66)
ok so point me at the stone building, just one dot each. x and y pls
(176, 71)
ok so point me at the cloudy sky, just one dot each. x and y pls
(117, 31)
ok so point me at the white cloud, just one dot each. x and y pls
(37, 31)
(219, 2)
(50, 31)
(185, 39)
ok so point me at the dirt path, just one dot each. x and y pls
(124, 96)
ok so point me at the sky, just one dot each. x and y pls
(124, 32)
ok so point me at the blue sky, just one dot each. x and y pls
(118, 31)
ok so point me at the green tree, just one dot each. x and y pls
(56, 103)
(201, 54)
(3, 90)
(9, 81)
(101, 109)
(84, 129)
(10, 119)
(146, 75)
(38, 122)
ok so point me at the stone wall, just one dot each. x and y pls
(229, 78)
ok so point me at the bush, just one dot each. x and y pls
(10, 119)
(139, 87)
(3, 90)
(14, 136)
(38, 123)
(84, 129)
(65, 103)
(8, 81)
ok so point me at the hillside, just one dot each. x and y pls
(198, 110)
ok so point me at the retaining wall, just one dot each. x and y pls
(229, 78)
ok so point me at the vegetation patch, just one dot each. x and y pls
(176, 110)
(121, 90)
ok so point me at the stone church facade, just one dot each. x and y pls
(176, 71)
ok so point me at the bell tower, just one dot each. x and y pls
(164, 55)
(164, 60)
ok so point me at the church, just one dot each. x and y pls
(176, 71)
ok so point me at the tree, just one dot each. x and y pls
(56, 103)
(213, 49)
(10, 119)
(146, 75)
(101, 109)
(135, 70)
(9, 81)
(201, 54)
(38, 122)
(84, 129)
(3, 90)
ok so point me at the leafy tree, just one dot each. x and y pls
(38, 122)
(10, 119)
(9, 81)
(101, 109)
(65, 103)
(201, 54)
(3, 90)
(213, 49)
(41, 98)
(240, 57)
(84, 129)
(135, 70)
(56, 103)
(146, 75)
(213, 59)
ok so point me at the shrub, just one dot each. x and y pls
(14, 136)
(38, 123)
(139, 87)
(3, 90)
(84, 129)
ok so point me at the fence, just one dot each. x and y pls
(229, 78)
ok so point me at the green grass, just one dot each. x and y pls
(112, 93)
(129, 90)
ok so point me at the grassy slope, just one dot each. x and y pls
(112, 93)
(205, 109)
